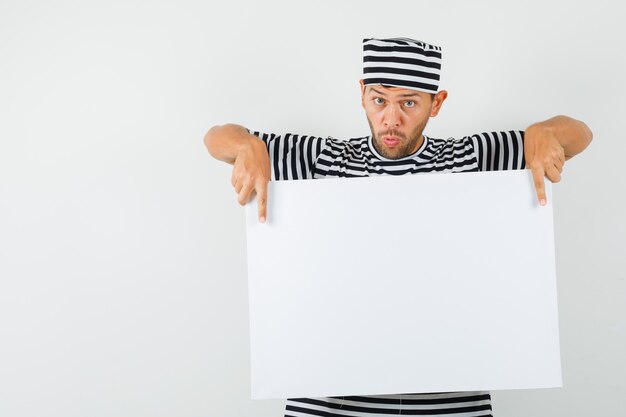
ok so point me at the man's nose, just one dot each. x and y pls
(392, 117)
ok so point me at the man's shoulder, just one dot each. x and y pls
(354, 144)
(332, 141)
(449, 141)
(343, 142)
(349, 141)
(484, 134)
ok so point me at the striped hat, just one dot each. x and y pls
(402, 62)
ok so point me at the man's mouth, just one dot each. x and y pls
(391, 140)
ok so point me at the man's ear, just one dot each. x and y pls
(362, 93)
(438, 100)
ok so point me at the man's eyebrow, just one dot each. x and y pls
(401, 95)
(378, 92)
(409, 95)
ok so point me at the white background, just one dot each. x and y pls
(122, 248)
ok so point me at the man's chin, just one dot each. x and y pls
(390, 152)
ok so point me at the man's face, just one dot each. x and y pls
(397, 117)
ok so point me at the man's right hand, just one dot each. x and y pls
(247, 153)
(251, 173)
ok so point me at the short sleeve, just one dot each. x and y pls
(292, 157)
(498, 151)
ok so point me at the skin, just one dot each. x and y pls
(397, 118)
(398, 114)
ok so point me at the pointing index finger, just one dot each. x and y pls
(261, 190)
(538, 179)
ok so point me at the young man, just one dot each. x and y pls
(399, 94)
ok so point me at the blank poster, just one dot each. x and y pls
(408, 284)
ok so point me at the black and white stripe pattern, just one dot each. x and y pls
(468, 404)
(305, 157)
(498, 151)
(295, 157)
(402, 62)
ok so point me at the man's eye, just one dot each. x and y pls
(409, 103)
(378, 100)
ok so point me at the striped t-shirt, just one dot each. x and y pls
(294, 157)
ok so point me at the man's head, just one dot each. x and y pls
(399, 92)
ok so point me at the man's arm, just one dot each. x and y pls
(548, 144)
(247, 153)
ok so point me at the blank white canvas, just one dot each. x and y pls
(387, 285)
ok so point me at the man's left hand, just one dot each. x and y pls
(544, 156)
